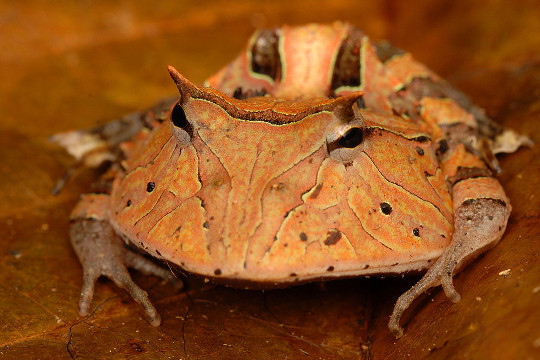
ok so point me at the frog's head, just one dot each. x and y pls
(260, 158)
(258, 119)
(265, 189)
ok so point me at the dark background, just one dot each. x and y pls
(75, 64)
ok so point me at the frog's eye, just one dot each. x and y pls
(181, 127)
(265, 59)
(344, 142)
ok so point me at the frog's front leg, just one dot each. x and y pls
(101, 252)
(481, 211)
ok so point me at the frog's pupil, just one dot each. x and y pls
(179, 119)
(352, 138)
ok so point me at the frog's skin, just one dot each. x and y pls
(358, 160)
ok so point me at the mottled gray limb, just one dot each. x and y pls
(479, 224)
(102, 252)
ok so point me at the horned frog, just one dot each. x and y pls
(315, 154)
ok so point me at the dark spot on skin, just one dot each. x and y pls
(203, 204)
(333, 238)
(443, 147)
(206, 225)
(240, 94)
(444, 237)
(150, 186)
(416, 232)
(490, 217)
(330, 268)
(316, 191)
(292, 275)
(303, 236)
(286, 244)
(466, 173)
(420, 151)
(496, 201)
(365, 267)
(157, 252)
(421, 139)
(500, 228)
(128, 204)
(394, 264)
(360, 103)
(217, 272)
(275, 238)
(386, 208)
(385, 51)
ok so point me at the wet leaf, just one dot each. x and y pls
(84, 63)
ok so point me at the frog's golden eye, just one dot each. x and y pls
(344, 142)
(180, 125)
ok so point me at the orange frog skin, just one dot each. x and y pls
(315, 154)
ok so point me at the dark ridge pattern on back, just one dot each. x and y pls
(347, 66)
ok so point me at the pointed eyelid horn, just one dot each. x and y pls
(185, 86)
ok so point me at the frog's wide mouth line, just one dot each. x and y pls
(415, 268)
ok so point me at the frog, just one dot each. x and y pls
(316, 154)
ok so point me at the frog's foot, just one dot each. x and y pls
(480, 223)
(102, 252)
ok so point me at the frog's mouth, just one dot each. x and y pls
(417, 267)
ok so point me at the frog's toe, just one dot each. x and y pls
(122, 278)
(102, 253)
(447, 281)
(430, 279)
(87, 292)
